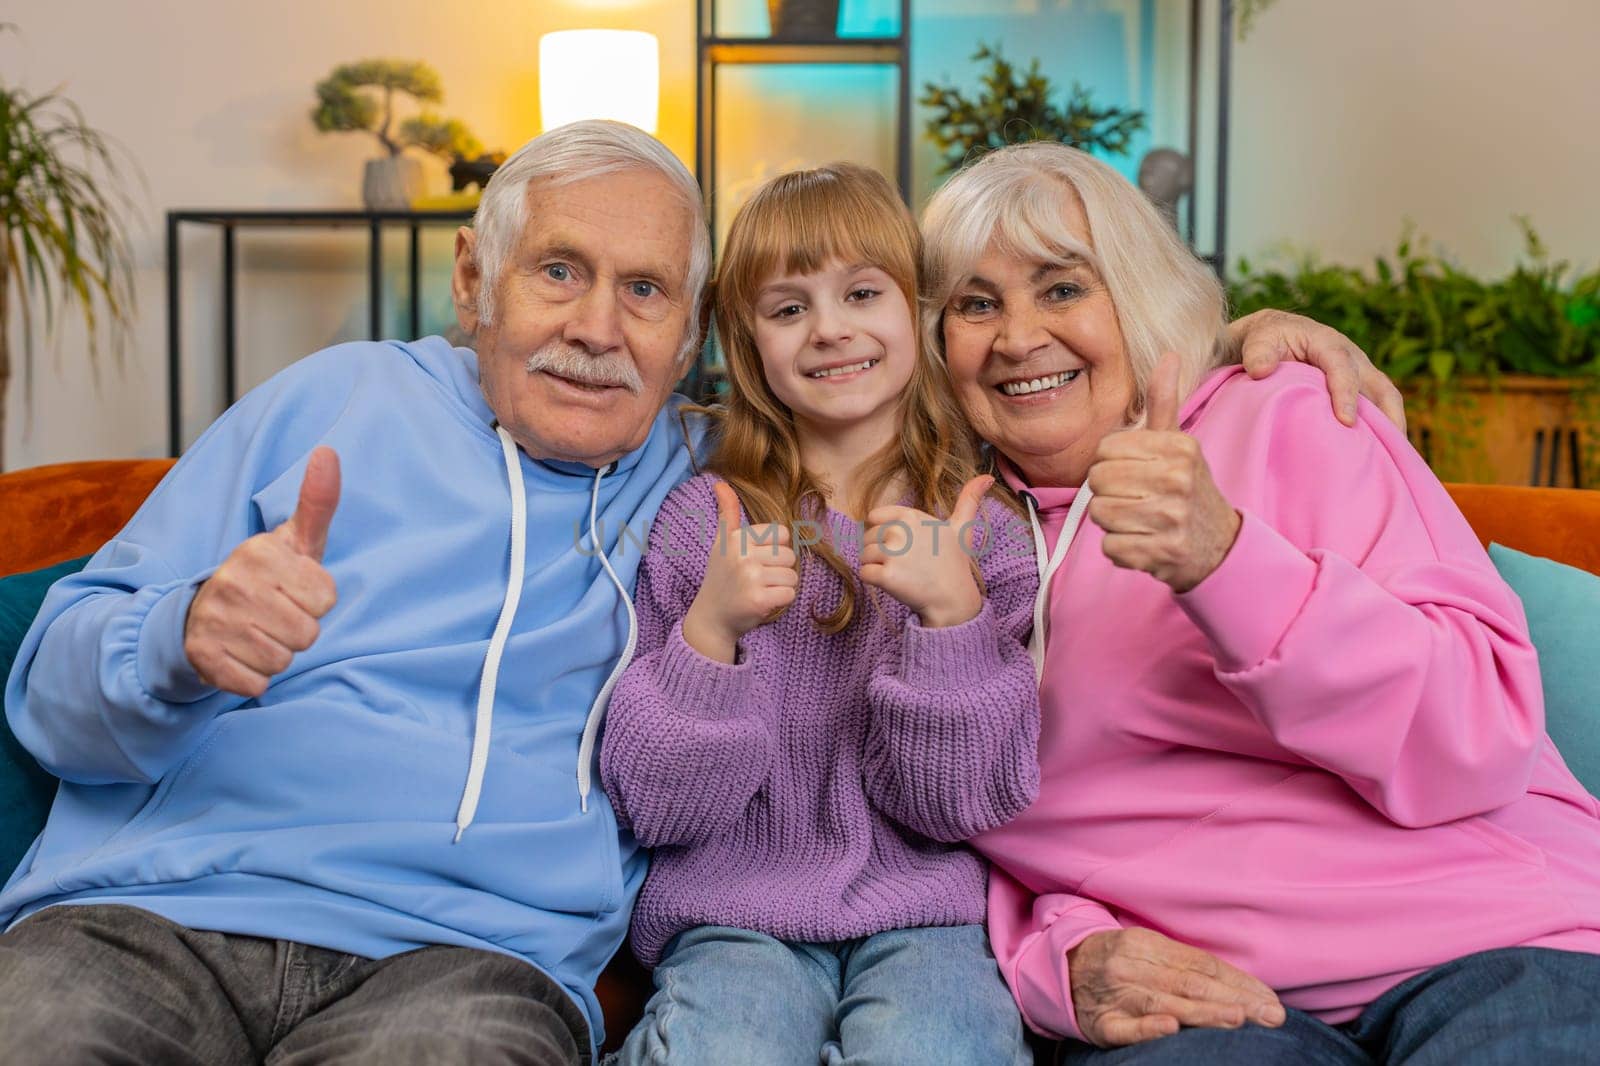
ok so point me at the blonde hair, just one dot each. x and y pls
(797, 223)
(1015, 200)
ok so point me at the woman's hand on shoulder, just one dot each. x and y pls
(1133, 985)
(1155, 498)
(926, 562)
(751, 574)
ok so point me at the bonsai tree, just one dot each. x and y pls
(1014, 106)
(361, 96)
(61, 239)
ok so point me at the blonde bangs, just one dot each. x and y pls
(800, 222)
(1021, 214)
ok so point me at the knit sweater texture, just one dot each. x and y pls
(820, 788)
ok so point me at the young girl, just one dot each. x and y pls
(828, 697)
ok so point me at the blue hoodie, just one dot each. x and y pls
(327, 810)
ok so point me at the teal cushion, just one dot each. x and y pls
(1563, 606)
(25, 789)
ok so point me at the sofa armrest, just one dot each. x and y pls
(57, 512)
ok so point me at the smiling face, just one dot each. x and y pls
(592, 312)
(838, 345)
(1038, 360)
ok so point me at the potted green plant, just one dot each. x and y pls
(1490, 367)
(1012, 106)
(361, 96)
(62, 241)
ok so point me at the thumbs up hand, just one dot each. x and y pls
(262, 604)
(750, 575)
(922, 562)
(1154, 497)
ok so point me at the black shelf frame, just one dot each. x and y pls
(230, 222)
(1219, 256)
(713, 51)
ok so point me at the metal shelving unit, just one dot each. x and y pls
(229, 222)
(713, 51)
(1219, 256)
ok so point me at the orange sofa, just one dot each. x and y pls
(52, 513)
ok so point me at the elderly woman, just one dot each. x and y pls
(1298, 802)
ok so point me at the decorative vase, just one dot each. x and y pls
(391, 183)
(816, 20)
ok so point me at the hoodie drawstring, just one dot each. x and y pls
(597, 710)
(1048, 568)
(484, 723)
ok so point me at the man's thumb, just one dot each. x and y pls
(729, 518)
(319, 496)
(1161, 403)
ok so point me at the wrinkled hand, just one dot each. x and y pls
(1265, 339)
(1133, 985)
(263, 603)
(920, 560)
(1154, 497)
(750, 575)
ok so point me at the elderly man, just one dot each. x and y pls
(327, 782)
(317, 804)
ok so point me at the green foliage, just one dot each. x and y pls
(1420, 318)
(61, 233)
(442, 136)
(1014, 106)
(360, 96)
(1246, 12)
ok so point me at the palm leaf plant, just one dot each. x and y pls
(62, 241)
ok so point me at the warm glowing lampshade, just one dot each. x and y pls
(599, 74)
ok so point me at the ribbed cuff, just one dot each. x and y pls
(1246, 604)
(164, 668)
(700, 685)
(1042, 981)
(952, 656)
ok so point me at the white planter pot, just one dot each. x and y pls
(390, 184)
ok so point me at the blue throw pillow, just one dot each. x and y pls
(1563, 607)
(26, 790)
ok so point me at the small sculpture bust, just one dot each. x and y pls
(1166, 175)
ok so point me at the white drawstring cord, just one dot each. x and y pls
(484, 723)
(591, 727)
(1048, 568)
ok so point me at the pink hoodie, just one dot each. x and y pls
(1326, 764)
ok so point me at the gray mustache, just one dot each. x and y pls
(575, 364)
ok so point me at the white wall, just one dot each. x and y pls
(1353, 115)
(212, 100)
(1349, 116)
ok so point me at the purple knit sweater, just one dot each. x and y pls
(819, 789)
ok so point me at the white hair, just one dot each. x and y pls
(1015, 200)
(572, 153)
